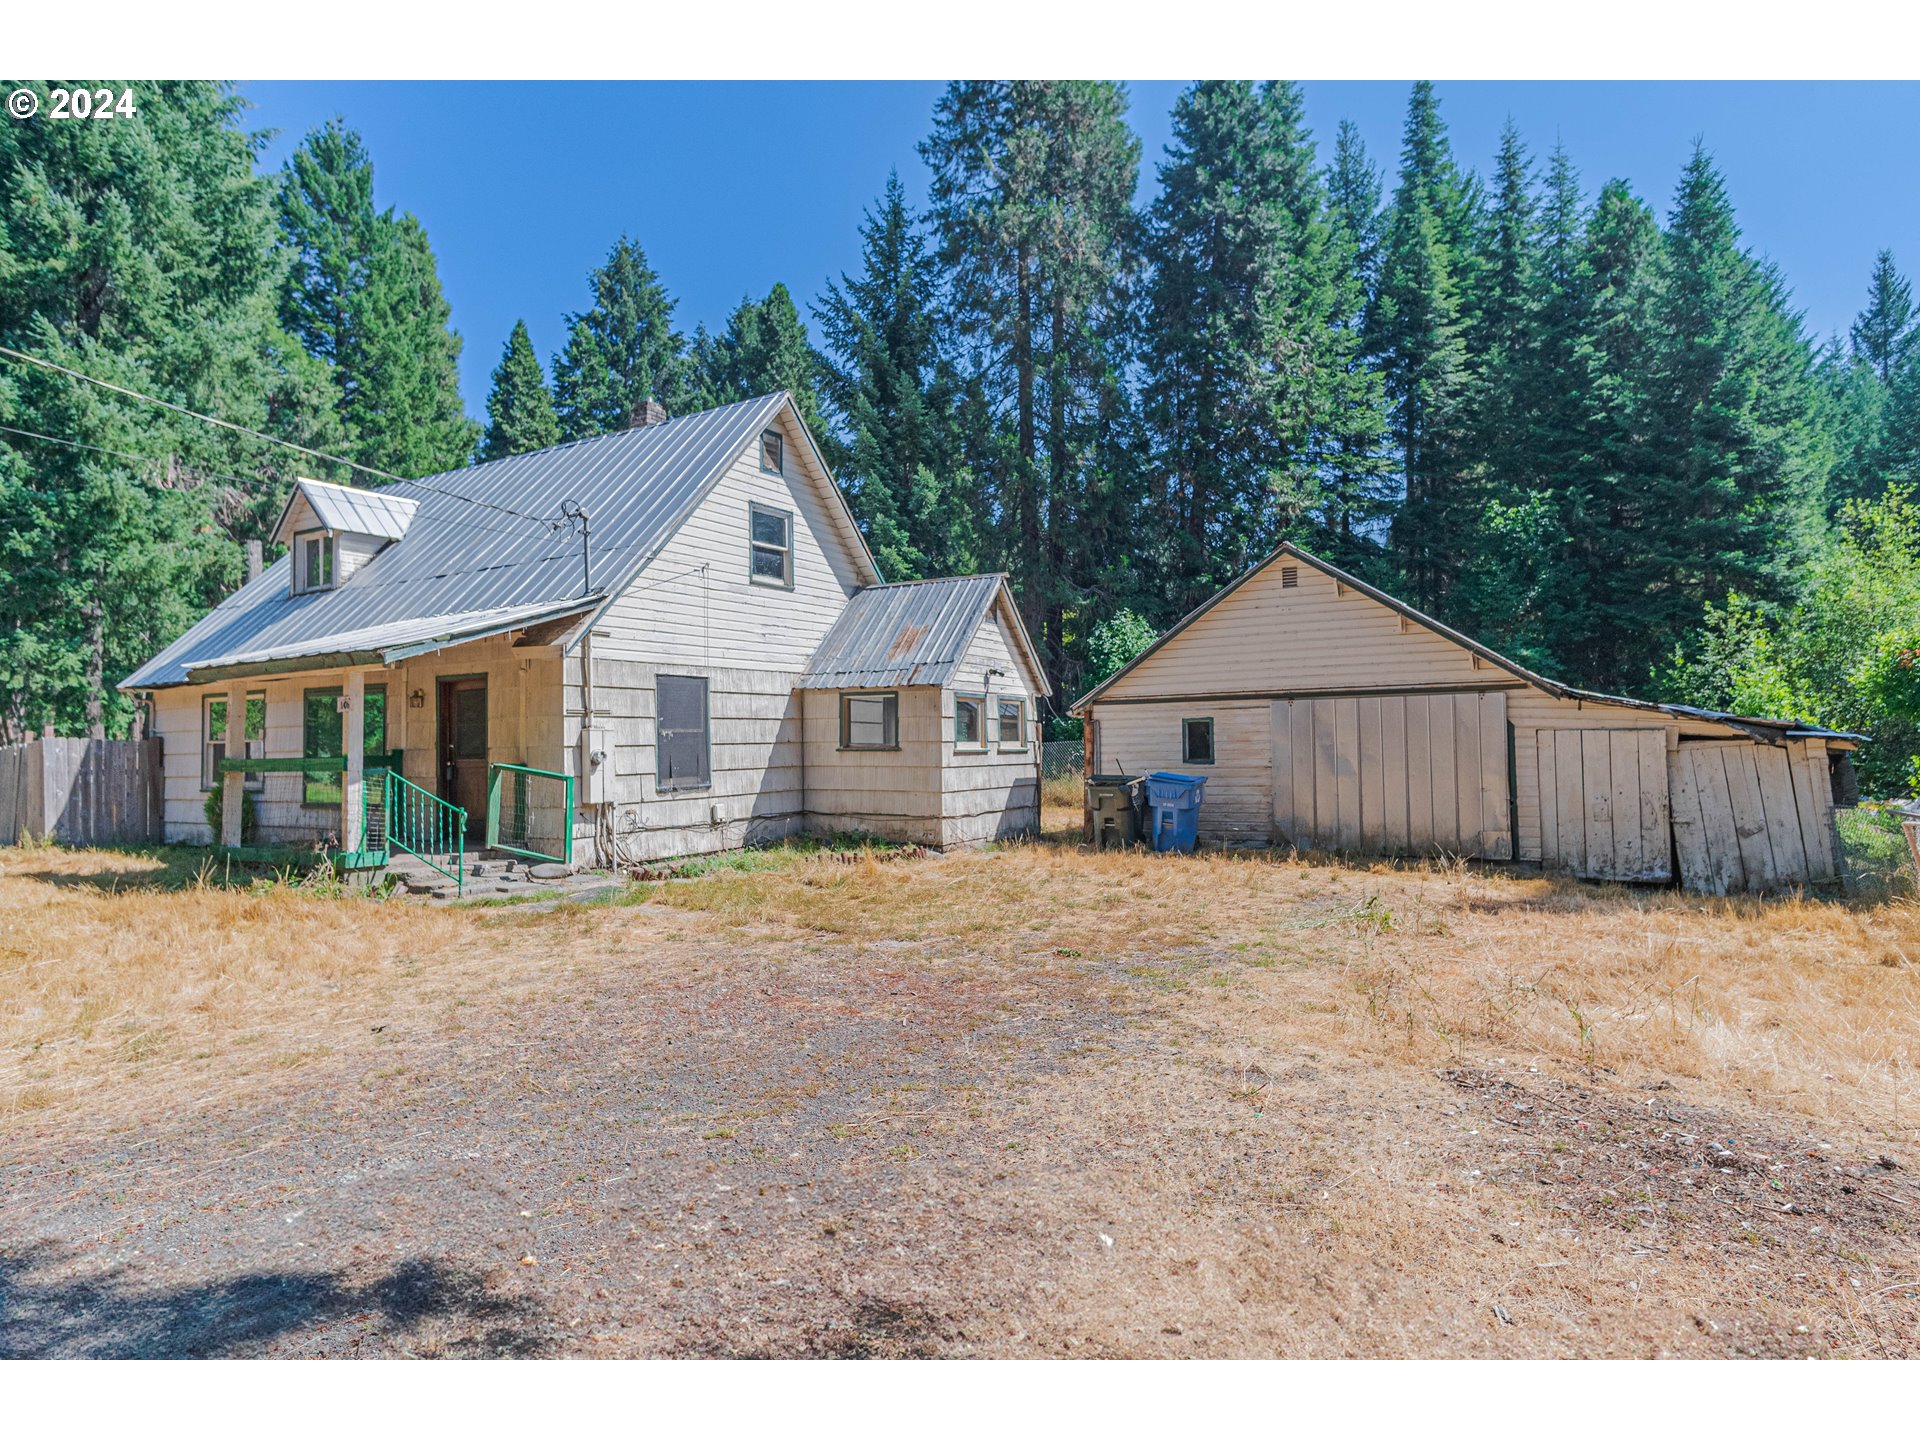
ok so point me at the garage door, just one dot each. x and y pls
(1393, 774)
(1603, 803)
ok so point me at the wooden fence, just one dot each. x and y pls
(81, 792)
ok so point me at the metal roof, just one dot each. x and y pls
(1758, 727)
(915, 633)
(342, 507)
(459, 558)
(385, 644)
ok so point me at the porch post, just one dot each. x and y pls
(354, 724)
(233, 783)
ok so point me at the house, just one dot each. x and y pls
(1328, 715)
(660, 642)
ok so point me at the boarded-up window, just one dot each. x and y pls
(682, 757)
(870, 722)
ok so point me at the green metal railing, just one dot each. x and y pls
(417, 821)
(522, 815)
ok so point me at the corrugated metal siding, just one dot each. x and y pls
(458, 557)
(911, 634)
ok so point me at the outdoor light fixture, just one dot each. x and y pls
(417, 700)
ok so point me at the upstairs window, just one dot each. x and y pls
(772, 453)
(312, 561)
(870, 722)
(969, 723)
(1012, 724)
(683, 756)
(770, 546)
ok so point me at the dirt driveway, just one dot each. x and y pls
(1016, 1104)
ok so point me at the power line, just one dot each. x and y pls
(268, 439)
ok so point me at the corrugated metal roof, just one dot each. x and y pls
(911, 634)
(342, 507)
(382, 644)
(457, 558)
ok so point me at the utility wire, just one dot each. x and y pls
(258, 435)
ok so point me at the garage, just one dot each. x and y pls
(1327, 715)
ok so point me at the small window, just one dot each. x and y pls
(683, 758)
(323, 734)
(1196, 742)
(770, 535)
(213, 738)
(969, 721)
(870, 722)
(313, 561)
(772, 453)
(1011, 723)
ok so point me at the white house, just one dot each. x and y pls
(681, 619)
(1327, 714)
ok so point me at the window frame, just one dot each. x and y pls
(1186, 749)
(846, 719)
(779, 466)
(1019, 704)
(977, 698)
(252, 747)
(665, 784)
(755, 509)
(367, 750)
(330, 549)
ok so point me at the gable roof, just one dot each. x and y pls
(477, 541)
(913, 633)
(342, 507)
(1757, 726)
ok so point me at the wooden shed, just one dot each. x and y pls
(1329, 715)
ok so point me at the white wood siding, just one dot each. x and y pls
(715, 616)
(892, 793)
(990, 792)
(1238, 806)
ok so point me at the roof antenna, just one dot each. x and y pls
(573, 515)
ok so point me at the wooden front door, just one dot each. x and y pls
(463, 749)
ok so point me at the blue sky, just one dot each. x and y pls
(730, 187)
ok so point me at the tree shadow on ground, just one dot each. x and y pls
(104, 1317)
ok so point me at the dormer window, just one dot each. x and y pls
(312, 561)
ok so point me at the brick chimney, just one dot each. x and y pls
(647, 412)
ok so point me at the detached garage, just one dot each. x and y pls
(1330, 716)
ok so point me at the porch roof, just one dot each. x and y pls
(383, 644)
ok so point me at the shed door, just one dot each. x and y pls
(1750, 817)
(1393, 774)
(1604, 811)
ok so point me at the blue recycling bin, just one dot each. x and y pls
(1175, 802)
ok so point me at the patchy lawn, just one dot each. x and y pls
(1033, 1101)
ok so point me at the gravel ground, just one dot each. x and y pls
(776, 1145)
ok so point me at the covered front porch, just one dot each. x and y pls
(441, 748)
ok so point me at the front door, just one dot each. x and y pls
(463, 749)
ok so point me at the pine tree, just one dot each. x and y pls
(892, 399)
(763, 349)
(141, 253)
(1505, 325)
(621, 350)
(1418, 328)
(362, 292)
(1884, 333)
(1032, 200)
(520, 414)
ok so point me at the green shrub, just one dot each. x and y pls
(216, 805)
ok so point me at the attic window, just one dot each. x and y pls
(312, 561)
(1289, 577)
(772, 452)
(770, 546)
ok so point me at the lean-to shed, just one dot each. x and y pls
(1329, 715)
